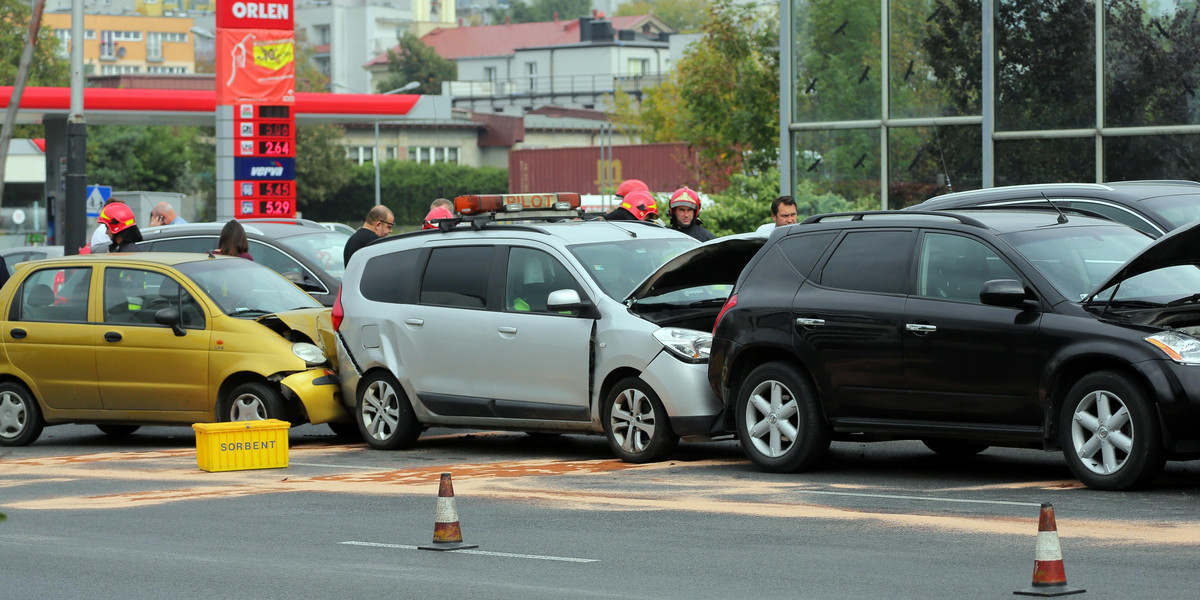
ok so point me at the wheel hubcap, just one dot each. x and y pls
(247, 407)
(380, 410)
(1102, 432)
(772, 419)
(632, 421)
(12, 415)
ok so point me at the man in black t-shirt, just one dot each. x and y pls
(379, 223)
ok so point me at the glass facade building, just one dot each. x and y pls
(906, 99)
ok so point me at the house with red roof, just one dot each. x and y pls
(513, 68)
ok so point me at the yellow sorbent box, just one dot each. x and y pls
(242, 445)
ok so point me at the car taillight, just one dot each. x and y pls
(337, 310)
(730, 303)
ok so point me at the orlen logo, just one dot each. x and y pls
(261, 10)
(273, 170)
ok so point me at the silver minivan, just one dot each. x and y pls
(562, 327)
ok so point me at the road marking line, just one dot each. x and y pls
(926, 498)
(478, 552)
(327, 466)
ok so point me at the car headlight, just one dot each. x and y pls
(1179, 347)
(308, 353)
(687, 344)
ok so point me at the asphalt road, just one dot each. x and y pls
(93, 517)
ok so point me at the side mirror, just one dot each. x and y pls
(1003, 292)
(567, 300)
(170, 317)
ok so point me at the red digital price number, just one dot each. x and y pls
(275, 147)
(276, 207)
(282, 130)
(276, 189)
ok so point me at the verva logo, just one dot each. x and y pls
(249, 14)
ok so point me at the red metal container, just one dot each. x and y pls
(589, 170)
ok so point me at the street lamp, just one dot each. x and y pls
(375, 153)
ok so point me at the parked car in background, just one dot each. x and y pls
(537, 326)
(1154, 207)
(20, 254)
(124, 340)
(339, 227)
(967, 330)
(305, 252)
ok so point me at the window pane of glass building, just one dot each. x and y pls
(837, 60)
(844, 162)
(935, 66)
(1046, 73)
(925, 162)
(1045, 161)
(1152, 157)
(1152, 76)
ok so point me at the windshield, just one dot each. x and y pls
(1077, 260)
(245, 288)
(617, 267)
(323, 249)
(1176, 210)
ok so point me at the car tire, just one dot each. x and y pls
(1110, 433)
(254, 401)
(346, 430)
(636, 424)
(20, 416)
(384, 415)
(118, 431)
(779, 422)
(954, 448)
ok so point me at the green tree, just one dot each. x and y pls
(539, 11)
(47, 68)
(746, 203)
(726, 100)
(414, 61)
(155, 159)
(322, 168)
(684, 16)
(407, 188)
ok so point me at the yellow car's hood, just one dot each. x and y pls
(305, 325)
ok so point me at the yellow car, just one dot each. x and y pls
(123, 340)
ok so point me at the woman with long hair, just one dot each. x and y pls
(233, 241)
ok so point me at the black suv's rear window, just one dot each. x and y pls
(871, 261)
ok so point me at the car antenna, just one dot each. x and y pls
(1062, 217)
(937, 137)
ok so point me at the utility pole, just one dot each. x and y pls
(69, 226)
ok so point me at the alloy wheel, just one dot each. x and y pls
(1102, 432)
(772, 419)
(380, 410)
(632, 421)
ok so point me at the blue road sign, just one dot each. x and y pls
(97, 195)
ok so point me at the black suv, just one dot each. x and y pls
(967, 330)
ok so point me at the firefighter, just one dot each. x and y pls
(685, 214)
(122, 227)
(627, 211)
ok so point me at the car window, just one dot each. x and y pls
(955, 267)
(1178, 210)
(245, 288)
(281, 263)
(457, 276)
(870, 261)
(803, 251)
(199, 243)
(135, 295)
(618, 267)
(322, 248)
(1117, 213)
(55, 295)
(389, 277)
(1076, 260)
(532, 275)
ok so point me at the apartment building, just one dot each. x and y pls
(130, 43)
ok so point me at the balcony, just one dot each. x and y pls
(532, 91)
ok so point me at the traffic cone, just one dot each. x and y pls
(446, 533)
(1049, 579)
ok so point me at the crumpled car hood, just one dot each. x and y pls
(312, 324)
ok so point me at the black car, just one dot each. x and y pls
(967, 330)
(304, 251)
(1154, 207)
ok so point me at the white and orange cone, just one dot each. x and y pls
(447, 535)
(1049, 578)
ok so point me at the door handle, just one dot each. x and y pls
(112, 336)
(18, 334)
(810, 322)
(414, 322)
(508, 330)
(920, 328)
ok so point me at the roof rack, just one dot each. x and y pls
(859, 215)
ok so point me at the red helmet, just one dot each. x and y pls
(116, 216)
(440, 212)
(630, 185)
(640, 203)
(685, 197)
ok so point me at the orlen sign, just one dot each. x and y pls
(250, 14)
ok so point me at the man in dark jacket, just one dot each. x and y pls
(685, 214)
(627, 211)
(379, 223)
(122, 227)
